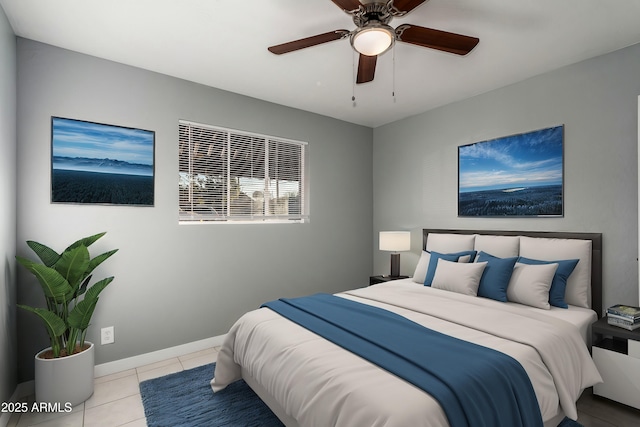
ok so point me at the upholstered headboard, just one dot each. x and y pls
(596, 252)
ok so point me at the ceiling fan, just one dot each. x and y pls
(373, 35)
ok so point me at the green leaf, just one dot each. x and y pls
(80, 316)
(99, 260)
(24, 261)
(86, 241)
(53, 284)
(47, 255)
(73, 264)
(97, 287)
(53, 323)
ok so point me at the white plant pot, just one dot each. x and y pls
(65, 379)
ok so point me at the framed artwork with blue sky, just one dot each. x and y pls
(513, 176)
(101, 164)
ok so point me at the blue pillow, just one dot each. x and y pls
(559, 283)
(496, 276)
(433, 262)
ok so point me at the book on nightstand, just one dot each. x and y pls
(622, 322)
(628, 312)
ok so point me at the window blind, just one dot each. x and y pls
(231, 175)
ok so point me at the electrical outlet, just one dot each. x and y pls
(107, 335)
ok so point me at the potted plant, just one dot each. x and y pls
(64, 371)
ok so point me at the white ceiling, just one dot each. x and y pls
(224, 44)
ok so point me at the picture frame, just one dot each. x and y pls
(97, 163)
(518, 175)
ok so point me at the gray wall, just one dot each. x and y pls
(415, 161)
(8, 355)
(177, 284)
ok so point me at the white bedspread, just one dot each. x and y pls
(320, 384)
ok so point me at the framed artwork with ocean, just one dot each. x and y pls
(513, 176)
(99, 163)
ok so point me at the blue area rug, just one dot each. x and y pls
(185, 399)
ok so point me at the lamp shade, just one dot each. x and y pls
(395, 241)
(373, 39)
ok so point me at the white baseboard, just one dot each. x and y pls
(28, 388)
(156, 356)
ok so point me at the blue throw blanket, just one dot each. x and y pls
(476, 386)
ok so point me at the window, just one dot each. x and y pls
(230, 175)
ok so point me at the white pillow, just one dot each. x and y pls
(449, 243)
(420, 273)
(530, 284)
(500, 246)
(578, 291)
(463, 278)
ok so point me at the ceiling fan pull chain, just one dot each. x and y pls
(353, 79)
(393, 72)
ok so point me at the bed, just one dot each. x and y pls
(308, 380)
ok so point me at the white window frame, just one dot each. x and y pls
(211, 209)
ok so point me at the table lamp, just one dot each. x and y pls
(395, 241)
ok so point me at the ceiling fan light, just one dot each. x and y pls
(373, 40)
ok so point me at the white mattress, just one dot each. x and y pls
(318, 383)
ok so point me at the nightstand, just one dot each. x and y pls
(374, 280)
(616, 353)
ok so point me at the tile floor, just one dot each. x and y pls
(116, 398)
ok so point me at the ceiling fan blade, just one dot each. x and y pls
(347, 5)
(308, 42)
(436, 39)
(406, 6)
(366, 68)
